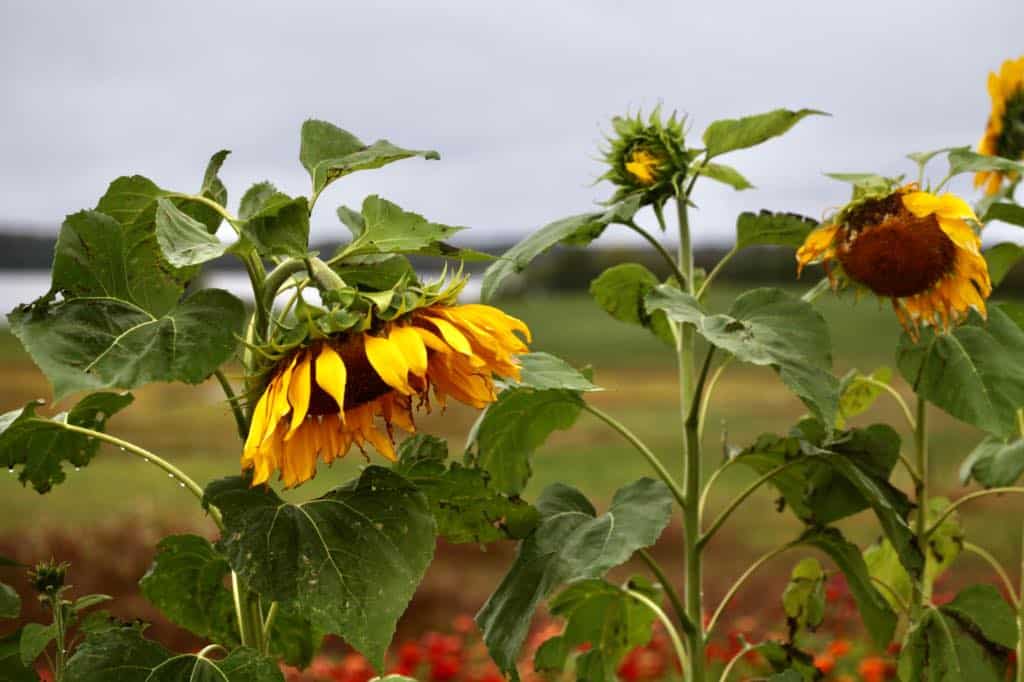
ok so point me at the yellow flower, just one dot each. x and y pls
(326, 396)
(912, 247)
(643, 166)
(1004, 134)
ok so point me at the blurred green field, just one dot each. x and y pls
(193, 427)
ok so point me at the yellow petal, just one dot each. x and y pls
(331, 375)
(948, 205)
(410, 345)
(298, 393)
(451, 334)
(387, 360)
(260, 418)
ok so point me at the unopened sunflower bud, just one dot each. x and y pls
(646, 156)
(47, 578)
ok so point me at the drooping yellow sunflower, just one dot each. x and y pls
(913, 247)
(327, 395)
(1004, 134)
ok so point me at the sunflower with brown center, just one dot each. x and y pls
(328, 394)
(915, 248)
(1004, 134)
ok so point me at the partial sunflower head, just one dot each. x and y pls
(915, 248)
(646, 156)
(348, 389)
(1004, 134)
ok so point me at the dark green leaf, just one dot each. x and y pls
(186, 582)
(35, 637)
(241, 665)
(786, 659)
(725, 174)
(939, 649)
(571, 543)
(543, 371)
(10, 602)
(767, 327)
(965, 160)
(348, 561)
(376, 272)
(11, 667)
(389, 229)
(116, 654)
(183, 240)
(255, 199)
(97, 257)
(128, 198)
(1005, 212)
(95, 343)
(278, 225)
(602, 615)
(1001, 258)
(994, 462)
(983, 609)
(514, 427)
(729, 134)
(464, 505)
(765, 227)
(803, 600)
(974, 372)
(40, 445)
(577, 230)
(214, 190)
(620, 291)
(879, 619)
(328, 153)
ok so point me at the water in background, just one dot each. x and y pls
(24, 286)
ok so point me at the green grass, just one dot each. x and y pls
(194, 429)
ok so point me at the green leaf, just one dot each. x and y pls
(973, 372)
(604, 616)
(349, 561)
(725, 174)
(803, 600)
(729, 135)
(858, 392)
(183, 240)
(214, 190)
(10, 602)
(376, 272)
(40, 445)
(571, 543)
(115, 654)
(186, 582)
(35, 637)
(879, 619)
(965, 160)
(785, 658)
(255, 199)
(985, 610)
(1005, 212)
(620, 291)
(1001, 258)
(96, 257)
(277, 224)
(128, 197)
(939, 649)
(577, 230)
(93, 343)
(88, 601)
(389, 229)
(241, 665)
(765, 227)
(328, 153)
(512, 429)
(767, 327)
(994, 462)
(464, 505)
(543, 371)
(865, 184)
(11, 667)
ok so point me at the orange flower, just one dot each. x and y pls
(825, 663)
(839, 648)
(874, 669)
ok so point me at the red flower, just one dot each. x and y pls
(464, 624)
(825, 663)
(839, 648)
(874, 669)
(353, 668)
(445, 668)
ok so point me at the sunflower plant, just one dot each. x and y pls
(910, 243)
(336, 356)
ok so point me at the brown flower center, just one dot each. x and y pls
(362, 383)
(893, 252)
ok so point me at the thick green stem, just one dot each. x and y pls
(1020, 611)
(922, 590)
(642, 448)
(236, 409)
(61, 637)
(268, 625)
(277, 277)
(666, 256)
(670, 590)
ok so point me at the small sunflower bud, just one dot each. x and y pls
(646, 156)
(47, 578)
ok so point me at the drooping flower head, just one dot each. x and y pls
(332, 392)
(646, 156)
(1004, 133)
(915, 248)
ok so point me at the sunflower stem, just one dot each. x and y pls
(666, 256)
(240, 421)
(922, 590)
(715, 271)
(673, 634)
(670, 590)
(751, 569)
(998, 568)
(1020, 615)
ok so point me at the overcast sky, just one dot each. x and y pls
(515, 96)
